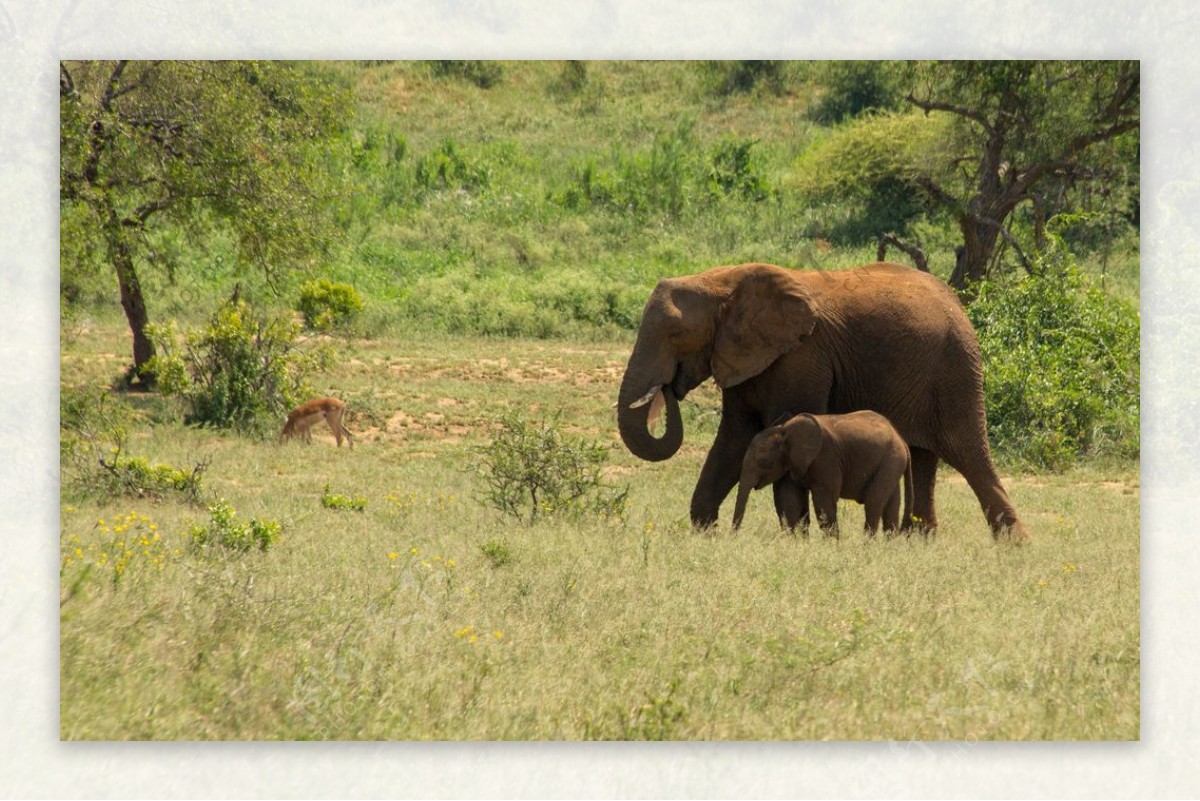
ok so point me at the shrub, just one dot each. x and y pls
(447, 167)
(497, 552)
(724, 78)
(92, 441)
(1061, 365)
(484, 74)
(135, 476)
(533, 469)
(223, 532)
(331, 501)
(572, 80)
(852, 87)
(732, 170)
(238, 372)
(862, 178)
(327, 305)
(126, 546)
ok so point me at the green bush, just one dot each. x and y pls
(673, 177)
(533, 469)
(326, 304)
(571, 80)
(733, 170)
(860, 180)
(331, 501)
(1061, 366)
(223, 532)
(724, 78)
(852, 87)
(242, 371)
(135, 476)
(448, 167)
(93, 436)
(484, 74)
(497, 552)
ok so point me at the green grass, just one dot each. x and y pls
(429, 616)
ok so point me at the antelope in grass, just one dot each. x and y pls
(306, 415)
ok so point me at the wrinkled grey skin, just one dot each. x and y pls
(778, 342)
(858, 456)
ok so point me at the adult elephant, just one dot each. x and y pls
(778, 342)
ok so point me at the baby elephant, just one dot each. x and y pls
(858, 456)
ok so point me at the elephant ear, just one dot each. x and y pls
(767, 314)
(803, 437)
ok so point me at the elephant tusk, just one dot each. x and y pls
(649, 396)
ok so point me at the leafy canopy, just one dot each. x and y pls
(192, 143)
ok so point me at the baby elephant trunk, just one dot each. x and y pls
(739, 510)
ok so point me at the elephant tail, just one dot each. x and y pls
(906, 520)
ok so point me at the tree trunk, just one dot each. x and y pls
(971, 264)
(134, 304)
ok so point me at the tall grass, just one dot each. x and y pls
(429, 615)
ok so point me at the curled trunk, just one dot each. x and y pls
(633, 423)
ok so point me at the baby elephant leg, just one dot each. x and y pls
(825, 501)
(882, 504)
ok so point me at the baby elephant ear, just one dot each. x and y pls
(766, 315)
(803, 438)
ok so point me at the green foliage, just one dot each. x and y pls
(328, 304)
(733, 170)
(135, 476)
(484, 74)
(864, 176)
(236, 146)
(332, 501)
(447, 167)
(534, 469)
(675, 177)
(850, 88)
(91, 425)
(1061, 366)
(724, 78)
(242, 371)
(656, 717)
(93, 439)
(497, 552)
(572, 80)
(223, 532)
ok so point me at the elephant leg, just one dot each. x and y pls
(880, 505)
(825, 503)
(924, 471)
(891, 513)
(791, 504)
(1001, 516)
(722, 469)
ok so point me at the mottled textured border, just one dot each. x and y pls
(34, 35)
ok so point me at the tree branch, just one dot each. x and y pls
(1010, 239)
(914, 251)
(962, 111)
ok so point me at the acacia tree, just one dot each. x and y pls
(199, 146)
(1022, 132)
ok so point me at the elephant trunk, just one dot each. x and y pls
(739, 510)
(634, 402)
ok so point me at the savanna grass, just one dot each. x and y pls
(428, 615)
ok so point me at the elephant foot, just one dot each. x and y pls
(1013, 533)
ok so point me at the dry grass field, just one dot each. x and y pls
(426, 614)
